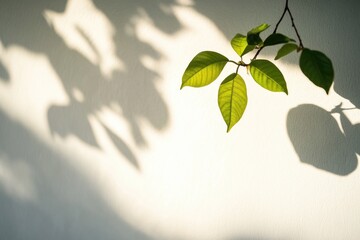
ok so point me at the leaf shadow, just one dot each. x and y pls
(55, 200)
(134, 91)
(318, 140)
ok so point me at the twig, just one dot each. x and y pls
(286, 9)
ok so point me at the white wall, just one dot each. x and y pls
(98, 142)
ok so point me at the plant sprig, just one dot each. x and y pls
(206, 66)
(286, 10)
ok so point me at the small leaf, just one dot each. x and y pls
(203, 69)
(253, 36)
(232, 99)
(268, 75)
(285, 50)
(259, 29)
(318, 68)
(240, 45)
(277, 38)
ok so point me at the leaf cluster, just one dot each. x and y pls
(206, 66)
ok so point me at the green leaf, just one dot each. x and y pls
(285, 50)
(232, 99)
(254, 39)
(268, 75)
(277, 38)
(240, 45)
(203, 69)
(318, 68)
(259, 29)
(253, 36)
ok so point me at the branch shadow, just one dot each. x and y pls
(349, 90)
(318, 140)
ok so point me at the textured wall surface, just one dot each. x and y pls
(98, 142)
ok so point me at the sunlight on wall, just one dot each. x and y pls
(211, 195)
(192, 180)
(33, 88)
(87, 30)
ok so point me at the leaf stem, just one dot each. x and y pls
(240, 63)
(232, 61)
(286, 9)
(237, 69)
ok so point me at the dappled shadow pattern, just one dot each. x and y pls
(318, 140)
(63, 203)
(130, 93)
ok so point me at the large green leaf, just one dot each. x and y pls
(277, 38)
(240, 45)
(268, 75)
(232, 99)
(318, 68)
(203, 69)
(285, 50)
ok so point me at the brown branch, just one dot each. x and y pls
(286, 9)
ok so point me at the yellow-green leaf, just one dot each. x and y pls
(232, 99)
(240, 45)
(203, 69)
(285, 50)
(253, 36)
(267, 75)
(259, 29)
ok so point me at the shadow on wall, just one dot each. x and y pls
(101, 68)
(233, 16)
(314, 132)
(43, 197)
(65, 205)
(318, 140)
(4, 75)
